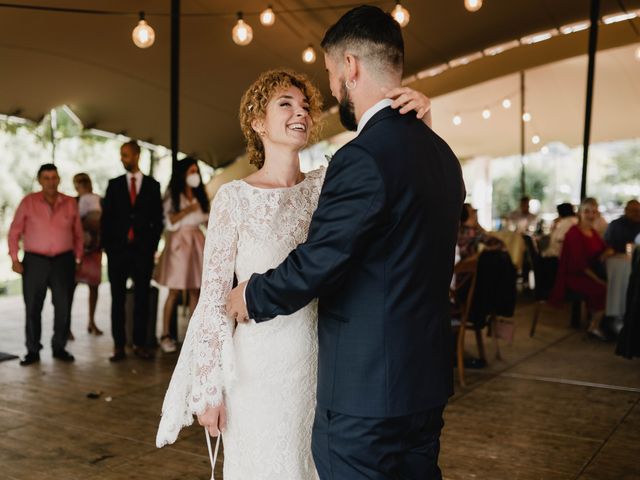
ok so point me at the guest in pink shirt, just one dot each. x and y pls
(49, 226)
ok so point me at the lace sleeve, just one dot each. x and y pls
(205, 364)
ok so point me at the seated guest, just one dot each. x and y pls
(471, 234)
(624, 230)
(522, 220)
(581, 267)
(559, 228)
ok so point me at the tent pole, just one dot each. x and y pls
(175, 80)
(523, 188)
(593, 44)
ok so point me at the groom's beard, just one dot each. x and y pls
(347, 111)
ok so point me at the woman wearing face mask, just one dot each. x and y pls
(186, 207)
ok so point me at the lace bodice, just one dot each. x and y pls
(250, 230)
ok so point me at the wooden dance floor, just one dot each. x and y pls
(559, 406)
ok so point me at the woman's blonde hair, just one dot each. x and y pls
(255, 100)
(588, 201)
(84, 180)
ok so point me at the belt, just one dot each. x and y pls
(50, 257)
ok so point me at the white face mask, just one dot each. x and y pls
(193, 180)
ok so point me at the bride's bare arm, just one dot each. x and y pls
(410, 100)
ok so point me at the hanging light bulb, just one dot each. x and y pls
(486, 114)
(309, 55)
(535, 139)
(401, 14)
(473, 5)
(143, 35)
(526, 117)
(638, 54)
(267, 17)
(242, 33)
(506, 103)
(457, 120)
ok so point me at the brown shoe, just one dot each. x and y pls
(118, 355)
(143, 353)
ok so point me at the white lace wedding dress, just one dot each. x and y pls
(265, 373)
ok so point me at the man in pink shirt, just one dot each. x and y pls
(49, 226)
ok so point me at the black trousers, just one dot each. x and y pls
(398, 448)
(58, 274)
(137, 265)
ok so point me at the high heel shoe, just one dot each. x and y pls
(94, 330)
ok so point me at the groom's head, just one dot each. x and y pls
(364, 55)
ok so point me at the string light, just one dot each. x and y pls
(486, 114)
(267, 17)
(457, 120)
(506, 104)
(242, 33)
(143, 35)
(309, 55)
(401, 14)
(535, 139)
(526, 117)
(473, 5)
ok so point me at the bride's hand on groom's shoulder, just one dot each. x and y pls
(236, 306)
(214, 419)
(409, 100)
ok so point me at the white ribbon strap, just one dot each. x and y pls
(212, 456)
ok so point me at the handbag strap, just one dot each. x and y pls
(213, 456)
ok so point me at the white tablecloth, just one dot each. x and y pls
(618, 273)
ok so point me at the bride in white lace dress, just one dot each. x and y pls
(259, 379)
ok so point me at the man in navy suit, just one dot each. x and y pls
(132, 222)
(379, 256)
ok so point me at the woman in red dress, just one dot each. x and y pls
(581, 264)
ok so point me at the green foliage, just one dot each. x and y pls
(625, 167)
(507, 191)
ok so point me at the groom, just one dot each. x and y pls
(379, 257)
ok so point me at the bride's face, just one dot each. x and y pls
(287, 121)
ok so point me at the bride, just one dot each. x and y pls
(256, 382)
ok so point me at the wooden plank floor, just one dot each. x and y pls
(559, 406)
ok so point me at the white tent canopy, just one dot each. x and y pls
(88, 61)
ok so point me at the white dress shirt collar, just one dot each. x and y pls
(138, 175)
(385, 102)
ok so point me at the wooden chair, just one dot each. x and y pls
(468, 268)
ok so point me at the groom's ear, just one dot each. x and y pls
(351, 67)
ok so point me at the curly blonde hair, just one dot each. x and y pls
(256, 98)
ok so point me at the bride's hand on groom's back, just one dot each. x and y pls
(214, 419)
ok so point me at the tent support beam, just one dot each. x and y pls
(593, 44)
(175, 80)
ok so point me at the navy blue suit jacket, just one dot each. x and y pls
(379, 256)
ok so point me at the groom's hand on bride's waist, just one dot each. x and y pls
(236, 304)
(214, 419)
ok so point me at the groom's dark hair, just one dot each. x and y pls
(370, 33)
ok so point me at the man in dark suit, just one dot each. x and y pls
(379, 256)
(132, 222)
